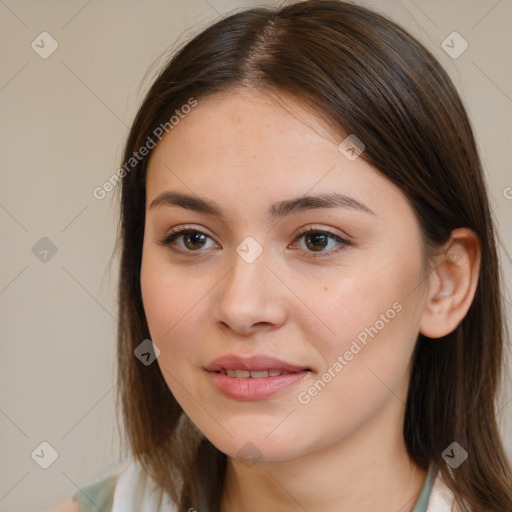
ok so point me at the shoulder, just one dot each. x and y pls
(97, 494)
(69, 505)
(136, 491)
(94, 495)
(441, 499)
(128, 489)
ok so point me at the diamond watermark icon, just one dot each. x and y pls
(249, 454)
(44, 455)
(351, 148)
(146, 352)
(454, 45)
(454, 455)
(44, 45)
(44, 250)
(249, 250)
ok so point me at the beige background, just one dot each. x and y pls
(63, 124)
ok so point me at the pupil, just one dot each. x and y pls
(195, 239)
(317, 239)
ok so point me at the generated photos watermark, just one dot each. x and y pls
(360, 342)
(109, 185)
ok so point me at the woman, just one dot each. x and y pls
(307, 242)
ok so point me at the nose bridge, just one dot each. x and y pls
(248, 268)
(247, 295)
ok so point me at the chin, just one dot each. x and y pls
(256, 446)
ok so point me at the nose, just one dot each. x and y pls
(250, 298)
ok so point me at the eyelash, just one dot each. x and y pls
(177, 232)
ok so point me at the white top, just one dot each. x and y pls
(136, 492)
(441, 498)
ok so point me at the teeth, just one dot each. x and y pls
(246, 374)
(259, 375)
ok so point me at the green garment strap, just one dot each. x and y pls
(424, 496)
(97, 496)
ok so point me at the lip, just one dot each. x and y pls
(250, 388)
(252, 363)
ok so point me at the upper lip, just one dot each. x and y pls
(253, 363)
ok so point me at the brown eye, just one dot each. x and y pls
(187, 240)
(194, 240)
(323, 243)
(316, 241)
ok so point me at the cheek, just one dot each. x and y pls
(168, 300)
(362, 307)
(172, 305)
(373, 326)
(365, 362)
(178, 309)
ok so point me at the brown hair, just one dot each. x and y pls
(370, 78)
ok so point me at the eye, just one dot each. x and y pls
(321, 242)
(187, 240)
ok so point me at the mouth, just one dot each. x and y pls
(248, 374)
(254, 367)
(255, 377)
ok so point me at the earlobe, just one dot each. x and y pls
(452, 284)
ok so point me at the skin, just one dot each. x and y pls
(344, 450)
(69, 505)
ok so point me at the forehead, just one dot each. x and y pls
(250, 146)
(244, 122)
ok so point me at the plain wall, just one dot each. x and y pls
(63, 124)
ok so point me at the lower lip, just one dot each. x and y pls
(254, 389)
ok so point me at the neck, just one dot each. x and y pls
(366, 471)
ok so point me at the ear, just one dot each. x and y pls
(452, 284)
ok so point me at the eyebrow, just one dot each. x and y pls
(276, 210)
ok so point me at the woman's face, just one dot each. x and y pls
(330, 286)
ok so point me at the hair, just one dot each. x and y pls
(368, 77)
